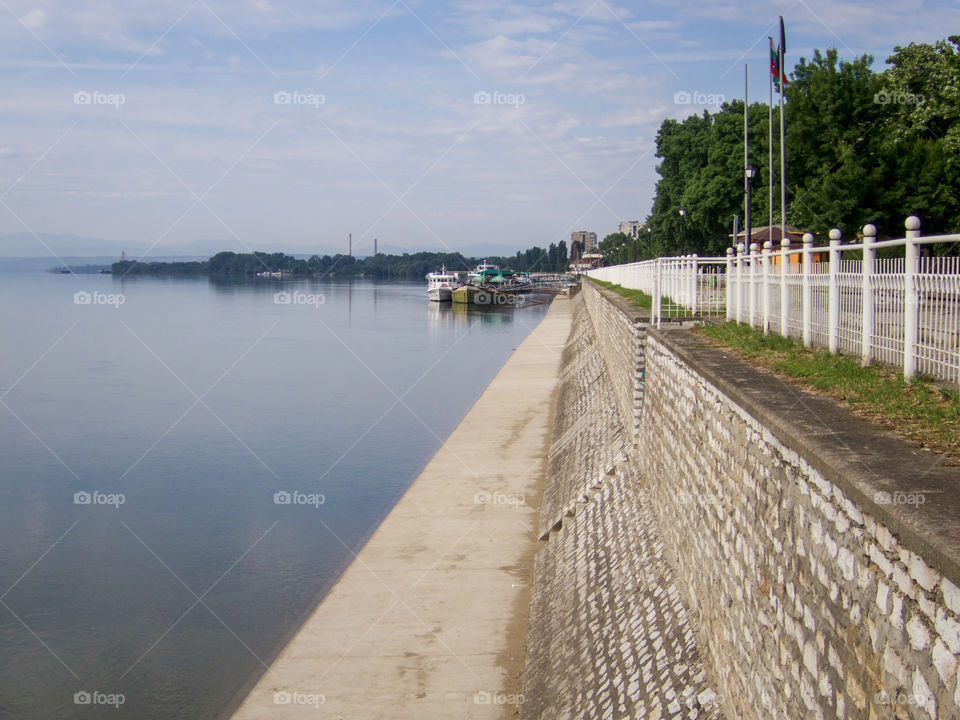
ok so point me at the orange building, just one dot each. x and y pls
(795, 235)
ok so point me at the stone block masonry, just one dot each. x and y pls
(610, 637)
(589, 435)
(620, 330)
(755, 547)
(818, 554)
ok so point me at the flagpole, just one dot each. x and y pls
(783, 148)
(770, 161)
(747, 230)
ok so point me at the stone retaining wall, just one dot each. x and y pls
(620, 329)
(609, 636)
(816, 556)
(816, 595)
(589, 434)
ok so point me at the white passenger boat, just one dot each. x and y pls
(441, 285)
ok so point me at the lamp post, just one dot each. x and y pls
(747, 227)
(683, 239)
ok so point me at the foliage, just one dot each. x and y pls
(862, 147)
(536, 259)
(619, 248)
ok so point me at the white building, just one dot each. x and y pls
(633, 228)
(589, 239)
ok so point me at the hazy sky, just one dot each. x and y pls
(269, 122)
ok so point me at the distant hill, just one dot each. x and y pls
(42, 264)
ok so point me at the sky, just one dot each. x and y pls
(247, 124)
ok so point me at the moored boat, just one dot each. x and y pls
(440, 286)
(466, 294)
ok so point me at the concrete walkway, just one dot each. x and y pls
(430, 620)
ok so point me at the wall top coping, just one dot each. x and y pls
(864, 461)
(634, 314)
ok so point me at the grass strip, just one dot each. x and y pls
(921, 411)
(638, 298)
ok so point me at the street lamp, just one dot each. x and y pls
(750, 172)
(683, 239)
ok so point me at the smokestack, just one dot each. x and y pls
(350, 245)
(374, 247)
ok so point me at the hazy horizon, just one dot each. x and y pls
(426, 125)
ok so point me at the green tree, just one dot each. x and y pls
(861, 147)
(835, 168)
(921, 97)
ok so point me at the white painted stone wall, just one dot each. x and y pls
(808, 605)
(620, 335)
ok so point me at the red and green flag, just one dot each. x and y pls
(775, 64)
(775, 54)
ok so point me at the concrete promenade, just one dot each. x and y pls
(430, 619)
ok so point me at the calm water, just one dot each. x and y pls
(195, 403)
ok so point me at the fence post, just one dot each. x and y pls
(807, 301)
(784, 289)
(833, 293)
(754, 256)
(765, 288)
(741, 281)
(655, 306)
(729, 284)
(665, 279)
(694, 279)
(867, 301)
(911, 327)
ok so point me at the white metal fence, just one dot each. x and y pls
(902, 311)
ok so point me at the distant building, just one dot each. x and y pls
(631, 228)
(762, 234)
(588, 261)
(589, 239)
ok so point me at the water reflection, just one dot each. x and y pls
(462, 315)
(199, 399)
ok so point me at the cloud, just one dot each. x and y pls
(597, 79)
(34, 19)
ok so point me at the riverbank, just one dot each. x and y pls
(430, 619)
(742, 549)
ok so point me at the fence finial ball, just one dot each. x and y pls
(836, 234)
(729, 251)
(767, 245)
(870, 230)
(913, 223)
(808, 238)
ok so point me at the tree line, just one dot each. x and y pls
(408, 266)
(861, 147)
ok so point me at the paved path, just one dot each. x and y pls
(430, 620)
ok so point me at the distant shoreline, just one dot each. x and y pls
(377, 267)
